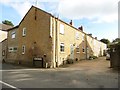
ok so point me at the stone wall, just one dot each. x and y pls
(115, 56)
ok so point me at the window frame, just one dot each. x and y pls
(62, 47)
(23, 49)
(83, 37)
(24, 32)
(78, 49)
(3, 52)
(10, 49)
(77, 35)
(15, 49)
(83, 49)
(62, 29)
(13, 35)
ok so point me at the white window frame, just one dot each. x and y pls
(82, 37)
(3, 52)
(84, 49)
(10, 49)
(24, 32)
(63, 47)
(78, 49)
(62, 31)
(15, 49)
(77, 35)
(23, 49)
(13, 35)
(87, 49)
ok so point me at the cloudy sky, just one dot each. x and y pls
(99, 17)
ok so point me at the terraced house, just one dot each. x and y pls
(40, 34)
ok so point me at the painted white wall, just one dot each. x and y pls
(3, 35)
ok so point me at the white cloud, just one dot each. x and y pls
(21, 6)
(97, 11)
(101, 10)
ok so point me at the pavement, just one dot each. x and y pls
(82, 74)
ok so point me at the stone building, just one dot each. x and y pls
(40, 33)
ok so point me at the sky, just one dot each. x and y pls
(99, 17)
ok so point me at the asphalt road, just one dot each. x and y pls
(83, 74)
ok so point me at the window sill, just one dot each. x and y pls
(77, 39)
(61, 34)
(62, 52)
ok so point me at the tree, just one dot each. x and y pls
(116, 40)
(7, 22)
(106, 41)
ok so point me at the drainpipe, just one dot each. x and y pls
(86, 46)
(7, 47)
(56, 60)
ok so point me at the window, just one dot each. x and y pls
(24, 32)
(13, 34)
(78, 49)
(87, 49)
(82, 37)
(3, 53)
(91, 41)
(62, 47)
(61, 29)
(77, 35)
(15, 49)
(94, 42)
(23, 49)
(10, 49)
(83, 49)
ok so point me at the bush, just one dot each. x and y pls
(92, 57)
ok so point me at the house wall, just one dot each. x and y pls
(37, 31)
(103, 48)
(4, 49)
(96, 47)
(43, 38)
(12, 43)
(3, 35)
(91, 45)
(0, 52)
(69, 38)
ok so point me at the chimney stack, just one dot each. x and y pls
(71, 22)
(90, 34)
(81, 28)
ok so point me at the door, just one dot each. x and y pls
(71, 52)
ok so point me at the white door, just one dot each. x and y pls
(71, 52)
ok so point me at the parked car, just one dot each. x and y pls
(107, 56)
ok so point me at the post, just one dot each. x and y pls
(46, 63)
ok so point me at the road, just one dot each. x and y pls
(83, 74)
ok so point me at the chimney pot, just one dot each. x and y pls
(90, 34)
(71, 22)
(81, 28)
